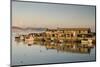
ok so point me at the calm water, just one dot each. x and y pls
(40, 53)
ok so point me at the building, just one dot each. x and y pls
(68, 33)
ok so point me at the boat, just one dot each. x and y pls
(87, 42)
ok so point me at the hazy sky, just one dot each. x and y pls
(26, 14)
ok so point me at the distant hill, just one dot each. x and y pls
(15, 27)
(28, 28)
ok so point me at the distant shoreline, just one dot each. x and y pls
(15, 28)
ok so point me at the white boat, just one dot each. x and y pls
(21, 37)
(84, 41)
(87, 41)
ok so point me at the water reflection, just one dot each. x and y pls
(60, 47)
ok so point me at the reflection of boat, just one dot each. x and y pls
(29, 42)
(60, 45)
(64, 47)
(51, 47)
(69, 48)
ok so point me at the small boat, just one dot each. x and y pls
(61, 41)
(87, 41)
(17, 37)
(22, 37)
(84, 41)
(29, 38)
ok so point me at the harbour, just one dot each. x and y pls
(50, 51)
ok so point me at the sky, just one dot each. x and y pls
(43, 15)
